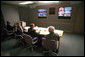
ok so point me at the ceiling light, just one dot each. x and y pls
(29, 2)
(48, 1)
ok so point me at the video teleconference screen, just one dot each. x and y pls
(42, 13)
(64, 12)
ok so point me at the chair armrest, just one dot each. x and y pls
(34, 40)
(43, 38)
(20, 36)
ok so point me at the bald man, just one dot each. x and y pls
(53, 36)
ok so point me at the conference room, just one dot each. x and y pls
(42, 28)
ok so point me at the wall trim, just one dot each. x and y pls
(50, 22)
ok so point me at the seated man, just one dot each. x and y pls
(9, 27)
(53, 36)
(32, 33)
(19, 29)
(5, 34)
(19, 32)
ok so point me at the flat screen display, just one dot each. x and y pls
(42, 13)
(64, 12)
(61, 11)
(67, 12)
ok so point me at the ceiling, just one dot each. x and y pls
(36, 3)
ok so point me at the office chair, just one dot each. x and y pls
(49, 46)
(30, 41)
(20, 41)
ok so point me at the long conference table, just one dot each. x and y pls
(44, 31)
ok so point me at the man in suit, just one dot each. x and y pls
(32, 32)
(19, 29)
(9, 27)
(19, 34)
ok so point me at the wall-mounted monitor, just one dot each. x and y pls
(42, 13)
(64, 12)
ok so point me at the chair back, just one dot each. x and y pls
(28, 39)
(49, 44)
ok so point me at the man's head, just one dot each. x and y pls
(51, 29)
(32, 25)
(8, 23)
(19, 24)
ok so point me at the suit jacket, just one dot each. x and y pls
(9, 27)
(32, 32)
(19, 30)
